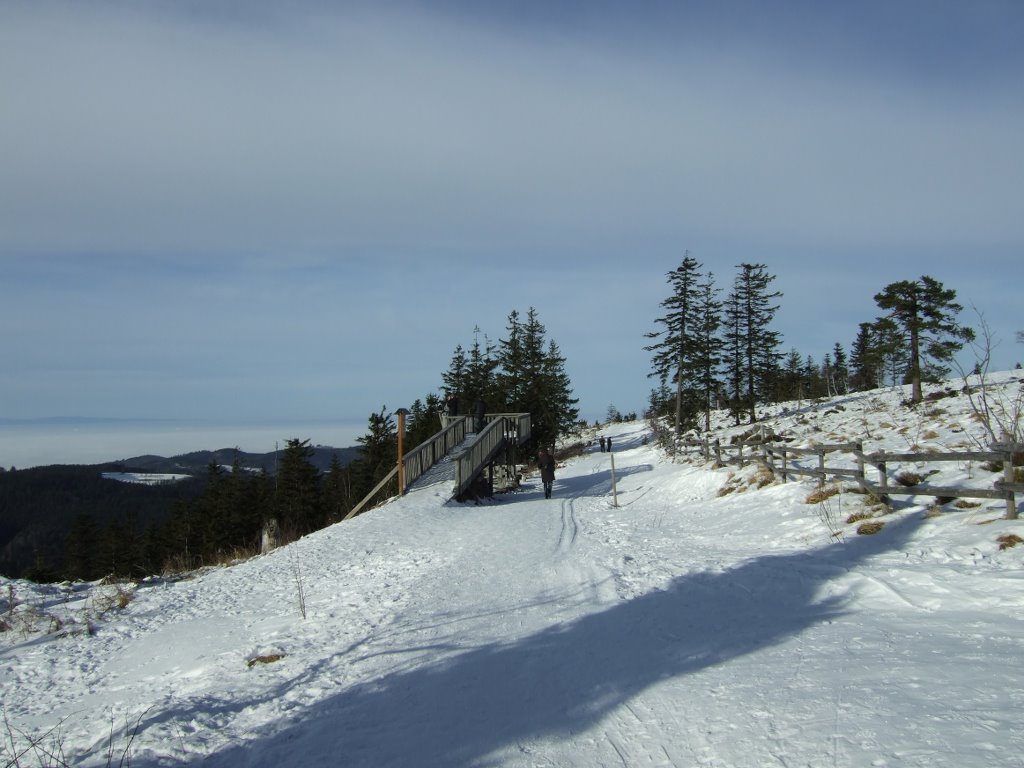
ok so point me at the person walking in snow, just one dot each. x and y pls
(546, 465)
(602, 443)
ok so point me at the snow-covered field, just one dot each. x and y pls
(679, 628)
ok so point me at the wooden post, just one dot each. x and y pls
(615, 492)
(718, 451)
(1011, 499)
(785, 463)
(861, 479)
(401, 458)
(883, 483)
(821, 467)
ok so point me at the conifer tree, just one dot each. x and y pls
(924, 312)
(378, 453)
(708, 351)
(337, 491)
(480, 367)
(511, 375)
(750, 340)
(454, 379)
(80, 549)
(677, 356)
(298, 490)
(840, 370)
(865, 361)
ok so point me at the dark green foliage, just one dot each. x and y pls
(298, 491)
(524, 372)
(750, 342)
(378, 453)
(687, 350)
(41, 506)
(923, 313)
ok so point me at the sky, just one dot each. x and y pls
(247, 211)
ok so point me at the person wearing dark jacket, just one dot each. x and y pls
(546, 465)
(479, 411)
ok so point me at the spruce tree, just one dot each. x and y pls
(840, 370)
(378, 454)
(676, 357)
(511, 374)
(298, 491)
(751, 341)
(865, 360)
(454, 379)
(707, 356)
(337, 491)
(925, 312)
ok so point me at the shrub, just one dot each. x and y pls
(871, 528)
(267, 658)
(822, 493)
(908, 479)
(856, 517)
(965, 504)
(1008, 540)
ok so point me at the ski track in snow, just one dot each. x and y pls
(679, 628)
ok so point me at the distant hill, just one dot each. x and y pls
(39, 505)
(197, 461)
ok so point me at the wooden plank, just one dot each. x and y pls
(926, 457)
(955, 493)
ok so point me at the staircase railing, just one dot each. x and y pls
(503, 429)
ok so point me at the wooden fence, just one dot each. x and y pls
(781, 460)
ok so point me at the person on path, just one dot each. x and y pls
(451, 410)
(546, 465)
(602, 443)
(479, 409)
(608, 444)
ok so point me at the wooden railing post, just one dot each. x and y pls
(1008, 476)
(883, 484)
(821, 467)
(859, 449)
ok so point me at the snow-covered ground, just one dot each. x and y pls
(704, 621)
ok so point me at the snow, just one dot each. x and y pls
(679, 628)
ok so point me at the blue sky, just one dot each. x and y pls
(296, 211)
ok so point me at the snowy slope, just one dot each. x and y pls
(680, 628)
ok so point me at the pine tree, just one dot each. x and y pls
(80, 549)
(925, 313)
(792, 384)
(511, 375)
(479, 379)
(750, 339)
(708, 351)
(676, 357)
(298, 491)
(454, 379)
(378, 454)
(337, 491)
(865, 360)
(840, 370)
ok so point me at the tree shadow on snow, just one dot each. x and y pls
(461, 710)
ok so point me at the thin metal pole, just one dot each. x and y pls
(615, 493)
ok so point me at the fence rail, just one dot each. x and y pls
(778, 457)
